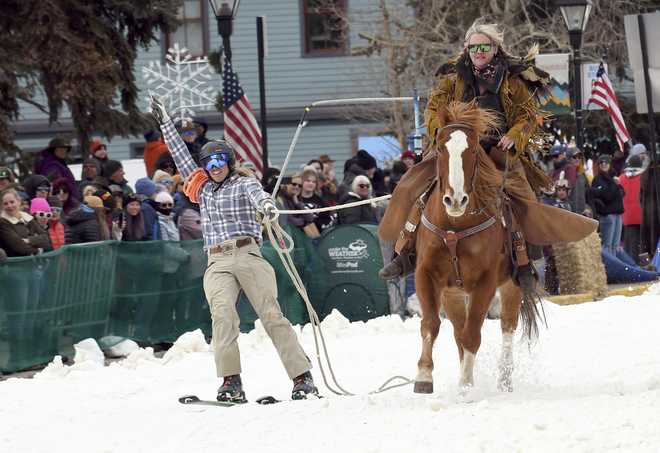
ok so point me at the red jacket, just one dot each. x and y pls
(56, 233)
(632, 211)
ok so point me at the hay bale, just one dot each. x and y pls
(580, 267)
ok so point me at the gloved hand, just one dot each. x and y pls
(158, 110)
(270, 210)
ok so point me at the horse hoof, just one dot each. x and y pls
(505, 386)
(423, 387)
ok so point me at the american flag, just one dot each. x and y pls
(241, 128)
(602, 94)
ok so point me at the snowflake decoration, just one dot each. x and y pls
(182, 84)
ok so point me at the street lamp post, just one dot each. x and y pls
(576, 16)
(224, 13)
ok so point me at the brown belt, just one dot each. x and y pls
(231, 246)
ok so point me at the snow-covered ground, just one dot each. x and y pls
(591, 384)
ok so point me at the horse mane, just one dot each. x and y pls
(488, 182)
(480, 120)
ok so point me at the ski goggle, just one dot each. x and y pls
(218, 160)
(483, 48)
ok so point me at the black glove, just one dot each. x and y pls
(158, 110)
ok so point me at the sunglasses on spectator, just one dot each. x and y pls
(56, 210)
(295, 184)
(483, 48)
(167, 182)
(188, 133)
(364, 186)
(43, 189)
(46, 215)
(166, 205)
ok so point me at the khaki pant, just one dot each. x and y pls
(244, 268)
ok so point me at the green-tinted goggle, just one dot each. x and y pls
(483, 48)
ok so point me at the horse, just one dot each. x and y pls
(462, 256)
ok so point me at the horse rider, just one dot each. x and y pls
(229, 202)
(488, 75)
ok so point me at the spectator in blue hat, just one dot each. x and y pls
(145, 190)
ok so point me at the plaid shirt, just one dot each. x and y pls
(229, 209)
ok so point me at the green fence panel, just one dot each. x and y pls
(50, 301)
(153, 291)
(158, 290)
(349, 257)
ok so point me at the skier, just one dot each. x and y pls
(229, 203)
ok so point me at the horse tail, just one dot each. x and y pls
(530, 315)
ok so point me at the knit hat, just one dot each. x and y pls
(407, 155)
(54, 202)
(365, 160)
(5, 173)
(95, 144)
(145, 187)
(106, 198)
(39, 205)
(92, 161)
(637, 149)
(164, 197)
(152, 135)
(160, 175)
(110, 167)
(93, 201)
(130, 198)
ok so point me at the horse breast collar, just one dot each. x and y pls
(451, 239)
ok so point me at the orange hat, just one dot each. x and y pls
(95, 144)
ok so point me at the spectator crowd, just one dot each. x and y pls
(50, 208)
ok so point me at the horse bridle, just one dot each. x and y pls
(450, 237)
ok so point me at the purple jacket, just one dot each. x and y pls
(51, 167)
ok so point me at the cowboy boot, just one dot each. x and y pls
(525, 275)
(402, 264)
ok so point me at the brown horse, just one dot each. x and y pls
(462, 258)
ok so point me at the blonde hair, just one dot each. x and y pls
(493, 31)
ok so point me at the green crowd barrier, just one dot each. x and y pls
(152, 292)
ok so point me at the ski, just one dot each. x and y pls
(193, 399)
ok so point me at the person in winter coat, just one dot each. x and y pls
(55, 225)
(168, 230)
(37, 186)
(607, 197)
(289, 199)
(189, 220)
(153, 149)
(113, 171)
(83, 224)
(166, 164)
(361, 190)
(91, 170)
(362, 163)
(134, 228)
(20, 233)
(66, 193)
(98, 151)
(52, 161)
(146, 190)
(7, 179)
(310, 198)
(580, 191)
(632, 209)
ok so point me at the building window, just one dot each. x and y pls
(324, 27)
(193, 32)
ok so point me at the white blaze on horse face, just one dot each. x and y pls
(456, 144)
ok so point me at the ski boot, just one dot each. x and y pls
(303, 385)
(232, 390)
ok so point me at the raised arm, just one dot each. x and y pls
(182, 158)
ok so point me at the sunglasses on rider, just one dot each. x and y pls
(483, 48)
(43, 215)
(218, 160)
